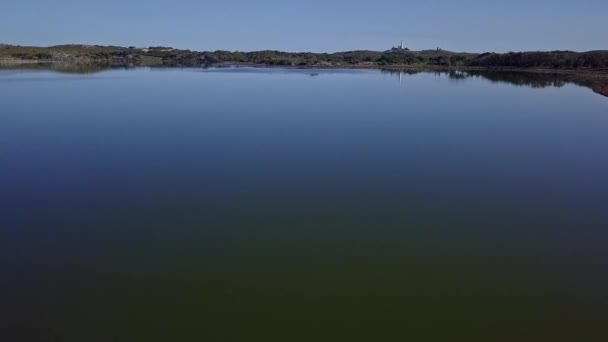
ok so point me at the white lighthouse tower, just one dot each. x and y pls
(402, 45)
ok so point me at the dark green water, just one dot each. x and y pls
(301, 205)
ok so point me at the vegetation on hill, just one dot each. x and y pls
(549, 60)
(393, 57)
(70, 53)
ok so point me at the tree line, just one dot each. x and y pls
(442, 58)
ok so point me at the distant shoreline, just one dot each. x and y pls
(391, 67)
(80, 58)
(596, 61)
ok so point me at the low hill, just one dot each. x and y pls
(551, 60)
(432, 58)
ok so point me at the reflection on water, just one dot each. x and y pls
(598, 82)
(67, 68)
(530, 79)
(269, 205)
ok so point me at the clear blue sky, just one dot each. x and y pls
(313, 25)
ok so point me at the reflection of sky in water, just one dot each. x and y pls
(256, 204)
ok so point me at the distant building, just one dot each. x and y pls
(400, 47)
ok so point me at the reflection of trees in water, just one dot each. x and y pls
(85, 68)
(534, 80)
(599, 83)
(67, 68)
(529, 79)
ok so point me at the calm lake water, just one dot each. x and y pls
(301, 205)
